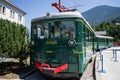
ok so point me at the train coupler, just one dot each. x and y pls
(45, 68)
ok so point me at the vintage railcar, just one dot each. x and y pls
(102, 42)
(62, 44)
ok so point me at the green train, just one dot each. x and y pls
(63, 44)
(102, 42)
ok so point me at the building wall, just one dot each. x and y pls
(7, 14)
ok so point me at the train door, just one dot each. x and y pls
(89, 44)
(39, 33)
(84, 43)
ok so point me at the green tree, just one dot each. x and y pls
(110, 28)
(13, 39)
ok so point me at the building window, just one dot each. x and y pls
(2, 9)
(19, 18)
(12, 14)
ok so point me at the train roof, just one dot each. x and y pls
(58, 15)
(63, 15)
(99, 36)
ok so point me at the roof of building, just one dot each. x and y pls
(7, 1)
(100, 32)
(99, 36)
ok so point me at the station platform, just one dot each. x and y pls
(108, 67)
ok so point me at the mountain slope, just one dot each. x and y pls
(101, 13)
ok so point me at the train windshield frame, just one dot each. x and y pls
(55, 29)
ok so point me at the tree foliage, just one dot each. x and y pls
(13, 39)
(111, 28)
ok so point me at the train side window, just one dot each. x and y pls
(90, 36)
(34, 33)
(87, 35)
(84, 33)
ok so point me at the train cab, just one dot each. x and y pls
(61, 43)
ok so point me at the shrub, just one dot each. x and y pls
(13, 39)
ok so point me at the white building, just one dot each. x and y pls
(11, 12)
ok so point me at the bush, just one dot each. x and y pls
(13, 39)
(111, 29)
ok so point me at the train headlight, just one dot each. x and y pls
(72, 42)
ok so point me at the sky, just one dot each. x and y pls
(36, 8)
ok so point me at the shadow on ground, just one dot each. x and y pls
(14, 70)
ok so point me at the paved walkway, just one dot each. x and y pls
(111, 65)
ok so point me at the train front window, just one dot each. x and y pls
(62, 29)
(54, 29)
(41, 31)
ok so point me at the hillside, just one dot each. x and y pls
(102, 13)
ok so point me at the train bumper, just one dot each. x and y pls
(45, 68)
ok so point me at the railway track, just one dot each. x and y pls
(34, 76)
(31, 73)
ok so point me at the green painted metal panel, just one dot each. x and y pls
(79, 39)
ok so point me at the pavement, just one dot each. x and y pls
(8, 60)
(108, 68)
